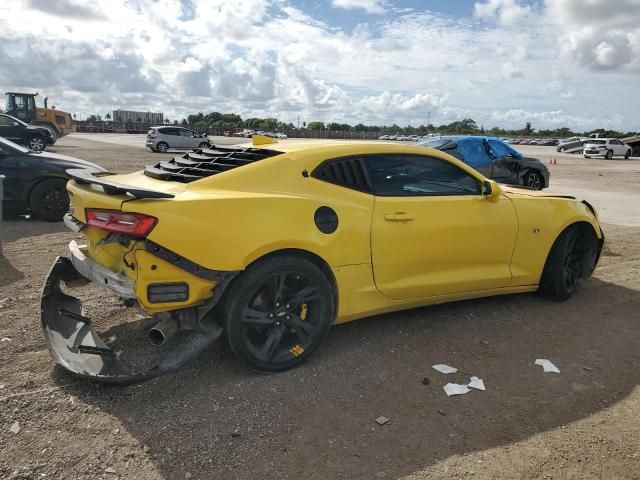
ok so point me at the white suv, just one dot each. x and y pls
(606, 147)
(161, 139)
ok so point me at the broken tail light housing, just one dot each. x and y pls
(132, 224)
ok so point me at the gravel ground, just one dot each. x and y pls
(219, 420)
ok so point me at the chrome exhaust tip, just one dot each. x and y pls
(162, 331)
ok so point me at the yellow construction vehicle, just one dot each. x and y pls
(23, 106)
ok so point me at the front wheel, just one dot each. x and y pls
(533, 179)
(563, 268)
(627, 155)
(49, 200)
(36, 143)
(278, 312)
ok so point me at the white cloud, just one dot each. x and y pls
(598, 34)
(369, 6)
(269, 58)
(505, 12)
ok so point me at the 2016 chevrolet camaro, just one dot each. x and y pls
(275, 242)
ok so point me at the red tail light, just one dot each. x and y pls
(133, 224)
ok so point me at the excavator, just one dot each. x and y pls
(23, 106)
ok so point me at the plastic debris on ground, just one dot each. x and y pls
(547, 366)
(476, 383)
(455, 389)
(442, 368)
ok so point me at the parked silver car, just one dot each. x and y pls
(161, 139)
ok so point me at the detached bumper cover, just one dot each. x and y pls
(75, 345)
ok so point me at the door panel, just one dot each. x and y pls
(441, 245)
(12, 185)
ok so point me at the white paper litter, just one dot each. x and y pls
(15, 427)
(382, 420)
(547, 366)
(442, 368)
(476, 383)
(455, 389)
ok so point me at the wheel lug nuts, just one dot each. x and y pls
(288, 306)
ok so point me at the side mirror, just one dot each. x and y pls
(491, 189)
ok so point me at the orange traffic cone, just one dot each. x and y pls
(555, 162)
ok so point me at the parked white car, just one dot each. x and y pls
(161, 139)
(606, 147)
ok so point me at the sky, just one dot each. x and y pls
(554, 63)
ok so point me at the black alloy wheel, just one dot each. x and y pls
(278, 313)
(49, 200)
(563, 269)
(36, 143)
(533, 179)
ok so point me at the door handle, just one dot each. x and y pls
(398, 217)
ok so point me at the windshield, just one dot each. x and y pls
(8, 143)
(435, 142)
(598, 142)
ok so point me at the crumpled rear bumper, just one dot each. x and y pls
(75, 345)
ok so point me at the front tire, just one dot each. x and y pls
(627, 155)
(563, 268)
(533, 179)
(37, 143)
(278, 312)
(49, 200)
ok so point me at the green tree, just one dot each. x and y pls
(316, 126)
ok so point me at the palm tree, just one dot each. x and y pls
(108, 116)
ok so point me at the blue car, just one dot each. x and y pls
(495, 159)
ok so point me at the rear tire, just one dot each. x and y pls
(162, 147)
(609, 155)
(204, 145)
(563, 268)
(278, 312)
(49, 200)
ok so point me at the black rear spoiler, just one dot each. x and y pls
(95, 177)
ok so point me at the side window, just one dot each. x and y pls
(6, 122)
(412, 175)
(185, 133)
(168, 131)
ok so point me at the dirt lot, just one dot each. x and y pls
(218, 420)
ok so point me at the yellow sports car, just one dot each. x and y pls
(275, 242)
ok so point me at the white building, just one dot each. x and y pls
(129, 116)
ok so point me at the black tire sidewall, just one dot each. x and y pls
(159, 147)
(206, 145)
(552, 281)
(239, 293)
(38, 209)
